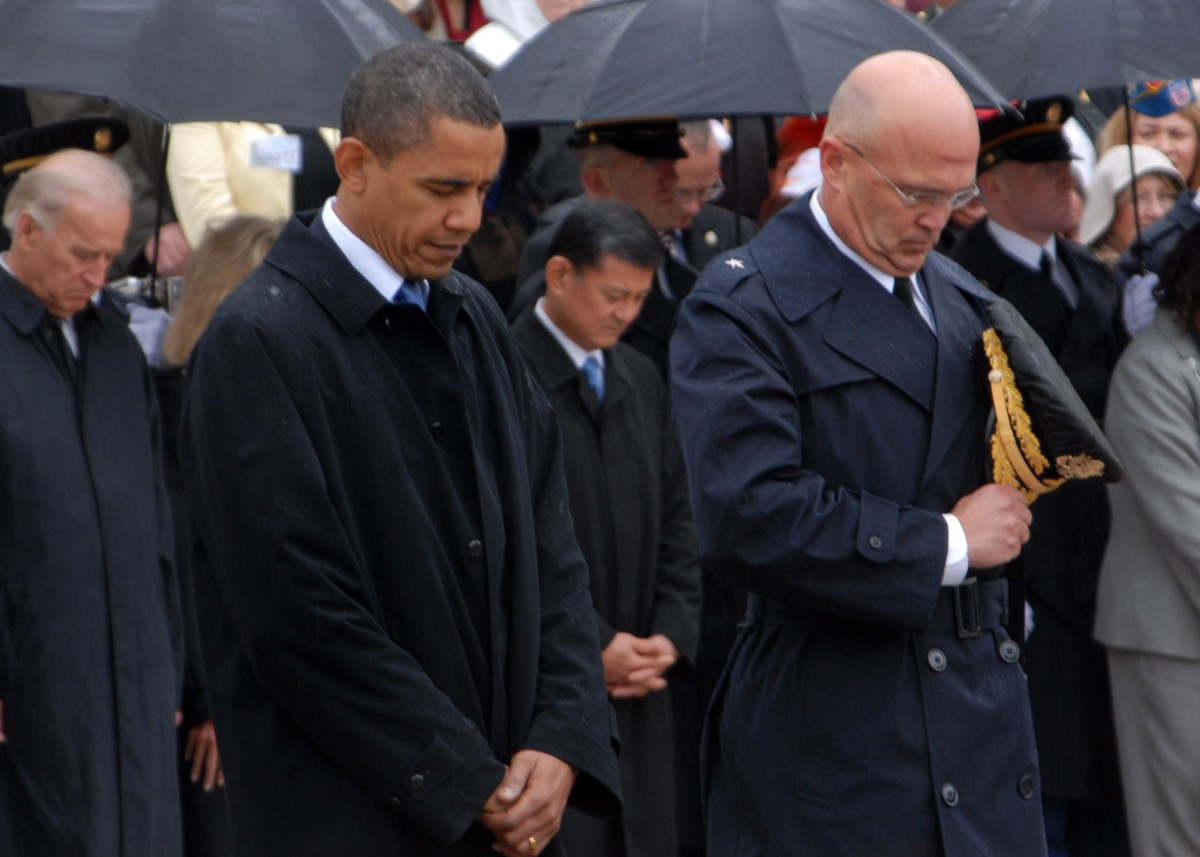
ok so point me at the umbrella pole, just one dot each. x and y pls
(737, 215)
(159, 202)
(1139, 250)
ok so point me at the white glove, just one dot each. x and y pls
(149, 325)
(1137, 301)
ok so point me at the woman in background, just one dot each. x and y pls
(1148, 604)
(226, 255)
(1108, 217)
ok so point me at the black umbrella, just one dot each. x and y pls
(1033, 48)
(698, 58)
(283, 61)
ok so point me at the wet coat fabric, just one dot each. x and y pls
(90, 634)
(633, 520)
(395, 598)
(825, 432)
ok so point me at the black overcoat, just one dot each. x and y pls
(1068, 675)
(633, 520)
(825, 433)
(395, 599)
(90, 637)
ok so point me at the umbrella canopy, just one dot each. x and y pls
(697, 58)
(1033, 48)
(284, 61)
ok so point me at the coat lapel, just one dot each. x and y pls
(959, 377)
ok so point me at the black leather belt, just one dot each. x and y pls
(968, 610)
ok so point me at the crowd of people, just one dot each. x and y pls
(538, 493)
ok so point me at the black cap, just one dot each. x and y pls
(24, 149)
(1032, 133)
(1044, 432)
(647, 138)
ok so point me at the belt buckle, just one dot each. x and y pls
(966, 609)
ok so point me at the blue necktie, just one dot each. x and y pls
(595, 376)
(410, 293)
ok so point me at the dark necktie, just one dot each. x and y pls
(904, 291)
(56, 338)
(595, 376)
(1047, 267)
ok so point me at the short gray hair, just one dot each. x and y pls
(47, 189)
(392, 98)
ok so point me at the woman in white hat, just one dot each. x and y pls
(1108, 216)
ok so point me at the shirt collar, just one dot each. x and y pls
(1028, 253)
(574, 350)
(363, 258)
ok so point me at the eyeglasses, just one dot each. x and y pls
(922, 198)
(711, 194)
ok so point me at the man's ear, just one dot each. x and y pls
(594, 178)
(989, 183)
(350, 159)
(26, 227)
(559, 273)
(833, 161)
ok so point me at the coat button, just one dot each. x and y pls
(474, 549)
(1025, 787)
(396, 803)
(1010, 652)
(435, 428)
(937, 660)
(950, 794)
(416, 782)
(389, 323)
(875, 542)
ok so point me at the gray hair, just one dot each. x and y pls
(697, 134)
(392, 98)
(46, 190)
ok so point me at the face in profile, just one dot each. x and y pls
(65, 266)
(594, 305)
(420, 208)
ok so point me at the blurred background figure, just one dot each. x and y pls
(1148, 605)
(226, 255)
(1165, 116)
(219, 169)
(512, 23)
(1108, 215)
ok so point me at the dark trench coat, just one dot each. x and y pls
(634, 524)
(90, 637)
(395, 599)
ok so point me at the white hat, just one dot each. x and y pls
(1109, 181)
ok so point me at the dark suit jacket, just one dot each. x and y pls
(713, 231)
(633, 520)
(396, 600)
(1068, 678)
(1160, 239)
(825, 432)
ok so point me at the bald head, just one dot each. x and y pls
(901, 92)
(899, 125)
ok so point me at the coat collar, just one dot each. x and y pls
(943, 376)
(307, 254)
(554, 369)
(25, 312)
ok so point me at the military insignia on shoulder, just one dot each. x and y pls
(736, 264)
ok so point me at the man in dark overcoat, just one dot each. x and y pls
(629, 503)
(1069, 297)
(634, 162)
(90, 640)
(830, 398)
(402, 658)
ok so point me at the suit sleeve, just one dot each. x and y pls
(298, 595)
(765, 517)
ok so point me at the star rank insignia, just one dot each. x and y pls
(735, 263)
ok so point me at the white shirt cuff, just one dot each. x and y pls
(956, 553)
